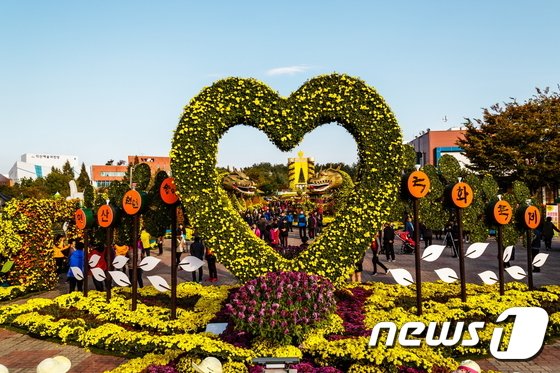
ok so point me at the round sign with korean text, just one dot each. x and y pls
(532, 217)
(105, 216)
(133, 202)
(462, 195)
(502, 212)
(84, 218)
(168, 191)
(418, 184)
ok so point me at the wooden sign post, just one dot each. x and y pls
(168, 195)
(418, 185)
(462, 197)
(501, 214)
(531, 220)
(133, 204)
(106, 218)
(84, 221)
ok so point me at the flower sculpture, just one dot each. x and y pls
(331, 98)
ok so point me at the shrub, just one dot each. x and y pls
(282, 305)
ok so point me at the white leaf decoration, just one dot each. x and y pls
(94, 260)
(507, 254)
(120, 278)
(98, 274)
(191, 263)
(540, 259)
(120, 261)
(476, 249)
(149, 263)
(159, 283)
(432, 252)
(77, 272)
(401, 276)
(516, 272)
(488, 277)
(447, 274)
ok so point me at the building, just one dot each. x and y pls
(103, 175)
(5, 180)
(300, 169)
(34, 165)
(156, 163)
(430, 146)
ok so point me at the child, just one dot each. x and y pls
(211, 260)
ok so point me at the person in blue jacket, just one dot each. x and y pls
(76, 259)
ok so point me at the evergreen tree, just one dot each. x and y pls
(83, 179)
(67, 170)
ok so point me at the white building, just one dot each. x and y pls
(39, 165)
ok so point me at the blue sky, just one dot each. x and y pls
(105, 79)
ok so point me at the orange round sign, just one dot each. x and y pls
(83, 218)
(502, 212)
(532, 217)
(462, 195)
(418, 184)
(105, 216)
(132, 202)
(168, 190)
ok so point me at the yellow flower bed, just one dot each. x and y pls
(166, 339)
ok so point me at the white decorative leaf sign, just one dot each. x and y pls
(447, 274)
(432, 252)
(77, 272)
(149, 263)
(120, 278)
(476, 249)
(508, 251)
(540, 259)
(120, 261)
(98, 274)
(516, 272)
(401, 276)
(488, 277)
(93, 260)
(191, 263)
(159, 283)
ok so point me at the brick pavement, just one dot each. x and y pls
(21, 353)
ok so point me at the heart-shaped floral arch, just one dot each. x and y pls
(324, 99)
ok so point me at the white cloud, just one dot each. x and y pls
(287, 70)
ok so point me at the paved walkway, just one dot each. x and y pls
(21, 353)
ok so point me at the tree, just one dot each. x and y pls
(518, 141)
(68, 170)
(83, 179)
(57, 181)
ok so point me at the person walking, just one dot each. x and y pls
(284, 230)
(548, 232)
(311, 225)
(426, 233)
(101, 264)
(76, 259)
(211, 260)
(389, 242)
(375, 245)
(60, 252)
(302, 224)
(197, 249)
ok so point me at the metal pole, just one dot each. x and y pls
(461, 255)
(135, 261)
(529, 260)
(417, 258)
(173, 210)
(501, 258)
